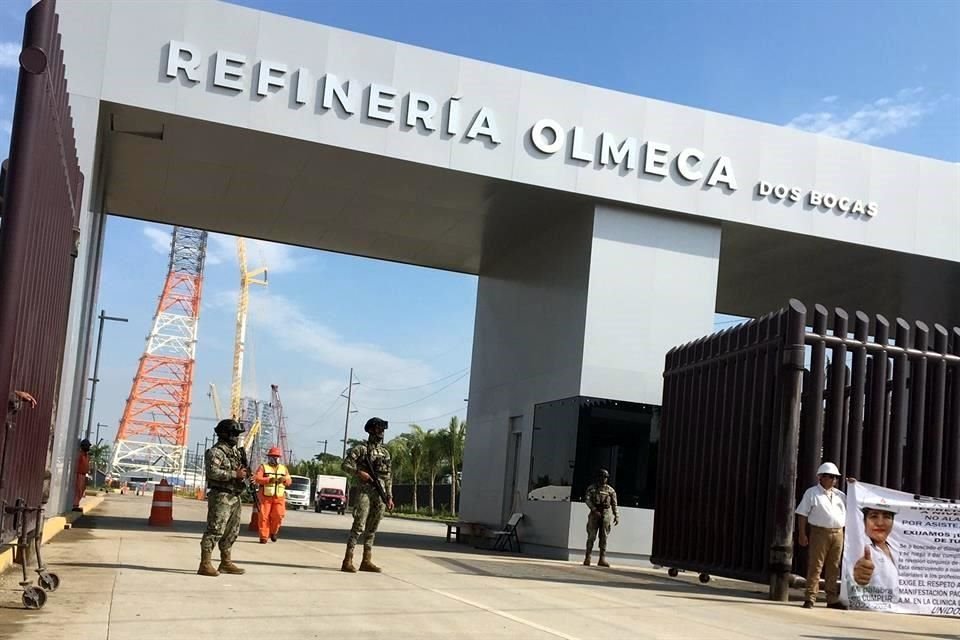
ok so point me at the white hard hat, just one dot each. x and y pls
(879, 504)
(828, 468)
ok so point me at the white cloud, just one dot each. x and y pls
(159, 238)
(315, 341)
(830, 99)
(324, 356)
(277, 258)
(870, 122)
(9, 55)
(221, 249)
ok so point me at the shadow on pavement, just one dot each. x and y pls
(573, 574)
(300, 533)
(886, 633)
(119, 565)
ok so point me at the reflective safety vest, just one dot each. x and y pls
(275, 475)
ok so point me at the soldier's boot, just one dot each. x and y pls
(367, 564)
(586, 559)
(347, 565)
(227, 566)
(206, 566)
(602, 562)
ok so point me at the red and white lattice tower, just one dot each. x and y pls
(152, 438)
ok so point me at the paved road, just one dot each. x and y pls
(125, 581)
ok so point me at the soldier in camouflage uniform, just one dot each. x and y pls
(601, 499)
(225, 483)
(369, 508)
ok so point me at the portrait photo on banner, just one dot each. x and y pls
(902, 552)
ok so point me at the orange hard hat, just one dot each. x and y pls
(274, 451)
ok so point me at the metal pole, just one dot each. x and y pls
(781, 548)
(346, 421)
(96, 369)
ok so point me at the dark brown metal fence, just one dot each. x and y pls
(750, 412)
(41, 208)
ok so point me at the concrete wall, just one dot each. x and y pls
(653, 283)
(587, 308)
(527, 346)
(632, 537)
(70, 420)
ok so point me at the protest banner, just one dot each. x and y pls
(902, 552)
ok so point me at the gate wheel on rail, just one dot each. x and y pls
(673, 572)
(34, 598)
(48, 581)
(704, 578)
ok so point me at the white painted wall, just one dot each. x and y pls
(527, 346)
(653, 283)
(633, 536)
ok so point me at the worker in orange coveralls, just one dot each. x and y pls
(273, 479)
(83, 468)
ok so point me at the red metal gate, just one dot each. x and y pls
(38, 235)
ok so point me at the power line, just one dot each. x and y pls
(420, 386)
(430, 395)
(430, 358)
(442, 415)
(327, 411)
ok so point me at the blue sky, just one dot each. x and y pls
(885, 73)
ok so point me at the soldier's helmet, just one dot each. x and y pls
(604, 473)
(228, 427)
(373, 423)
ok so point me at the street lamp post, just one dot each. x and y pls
(96, 368)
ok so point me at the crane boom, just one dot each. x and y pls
(217, 410)
(247, 278)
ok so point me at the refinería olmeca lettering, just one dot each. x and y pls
(234, 72)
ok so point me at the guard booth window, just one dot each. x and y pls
(574, 437)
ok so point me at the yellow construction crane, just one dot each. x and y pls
(247, 278)
(217, 411)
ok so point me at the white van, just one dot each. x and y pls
(298, 493)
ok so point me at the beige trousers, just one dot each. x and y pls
(824, 553)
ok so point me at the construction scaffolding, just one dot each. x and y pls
(152, 436)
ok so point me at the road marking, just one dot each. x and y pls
(496, 612)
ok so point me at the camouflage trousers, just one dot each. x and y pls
(223, 521)
(366, 518)
(599, 524)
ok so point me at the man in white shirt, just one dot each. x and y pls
(823, 508)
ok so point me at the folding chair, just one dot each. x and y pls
(504, 539)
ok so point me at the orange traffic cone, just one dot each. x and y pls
(161, 511)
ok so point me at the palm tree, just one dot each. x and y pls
(456, 438)
(99, 458)
(398, 457)
(415, 453)
(433, 455)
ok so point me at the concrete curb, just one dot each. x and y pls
(52, 527)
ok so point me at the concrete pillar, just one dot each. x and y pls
(587, 306)
(653, 284)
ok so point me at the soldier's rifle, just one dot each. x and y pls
(248, 483)
(374, 478)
